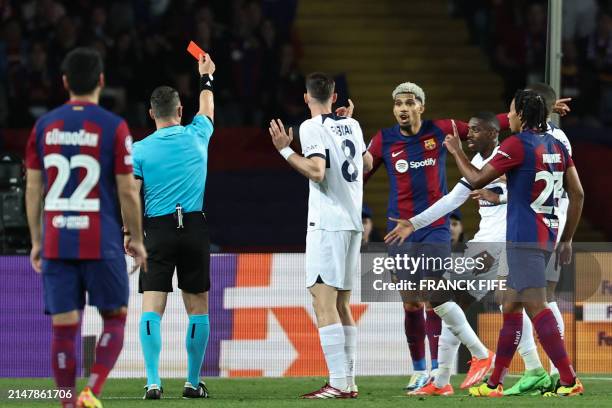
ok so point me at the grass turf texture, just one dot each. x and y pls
(376, 392)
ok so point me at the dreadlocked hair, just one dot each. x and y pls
(531, 107)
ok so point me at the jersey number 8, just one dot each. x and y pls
(350, 172)
(78, 201)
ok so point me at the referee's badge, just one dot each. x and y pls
(430, 144)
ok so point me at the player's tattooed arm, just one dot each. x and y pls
(34, 201)
(475, 177)
(313, 168)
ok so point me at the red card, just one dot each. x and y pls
(194, 50)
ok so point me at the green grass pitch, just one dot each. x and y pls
(376, 392)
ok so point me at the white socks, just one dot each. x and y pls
(453, 316)
(332, 342)
(554, 308)
(350, 349)
(447, 353)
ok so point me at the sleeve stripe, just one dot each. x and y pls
(465, 183)
(317, 155)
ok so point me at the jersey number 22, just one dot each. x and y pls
(78, 201)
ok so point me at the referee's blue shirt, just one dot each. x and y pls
(172, 163)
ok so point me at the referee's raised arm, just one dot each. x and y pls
(206, 67)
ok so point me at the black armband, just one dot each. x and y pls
(206, 83)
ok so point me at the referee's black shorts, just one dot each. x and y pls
(186, 249)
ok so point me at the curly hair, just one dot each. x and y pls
(531, 107)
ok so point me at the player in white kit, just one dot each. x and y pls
(334, 159)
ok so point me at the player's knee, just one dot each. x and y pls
(534, 308)
(71, 317)
(512, 307)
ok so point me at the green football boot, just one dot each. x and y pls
(533, 382)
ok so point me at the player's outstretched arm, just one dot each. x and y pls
(490, 196)
(129, 198)
(206, 67)
(313, 167)
(447, 204)
(34, 200)
(575, 193)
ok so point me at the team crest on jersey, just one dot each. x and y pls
(430, 144)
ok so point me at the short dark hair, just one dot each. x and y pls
(320, 86)
(532, 109)
(82, 67)
(489, 117)
(546, 92)
(164, 101)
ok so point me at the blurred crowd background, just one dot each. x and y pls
(143, 44)
(258, 52)
(513, 34)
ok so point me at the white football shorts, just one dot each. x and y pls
(333, 258)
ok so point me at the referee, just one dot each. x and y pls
(170, 164)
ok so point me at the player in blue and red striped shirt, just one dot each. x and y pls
(79, 166)
(415, 158)
(538, 168)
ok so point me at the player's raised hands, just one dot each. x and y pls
(36, 258)
(402, 230)
(453, 142)
(346, 111)
(280, 138)
(561, 106)
(206, 65)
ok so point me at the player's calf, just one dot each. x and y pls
(108, 348)
(64, 361)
